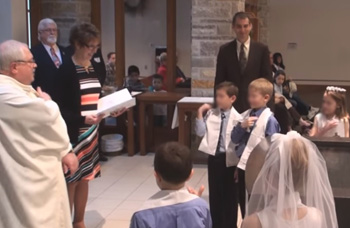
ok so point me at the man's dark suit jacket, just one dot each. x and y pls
(46, 70)
(228, 69)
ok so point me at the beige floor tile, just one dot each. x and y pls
(131, 205)
(120, 214)
(126, 183)
(115, 224)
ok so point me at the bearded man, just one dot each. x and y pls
(48, 56)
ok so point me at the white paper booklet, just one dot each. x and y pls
(115, 101)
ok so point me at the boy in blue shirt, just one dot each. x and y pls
(173, 206)
(258, 123)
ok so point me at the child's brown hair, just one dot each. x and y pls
(339, 96)
(229, 88)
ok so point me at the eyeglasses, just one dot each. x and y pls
(92, 47)
(31, 62)
(49, 30)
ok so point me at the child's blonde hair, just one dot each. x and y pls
(339, 96)
(299, 162)
(262, 85)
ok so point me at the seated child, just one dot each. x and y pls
(132, 81)
(258, 122)
(280, 101)
(281, 86)
(333, 119)
(173, 206)
(216, 127)
(159, 110)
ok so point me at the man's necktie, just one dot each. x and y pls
(220, 133)
(242, 59)
(55, 58)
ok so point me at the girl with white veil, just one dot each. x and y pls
(292, 189)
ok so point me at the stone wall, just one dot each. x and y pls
(211, 28)
(66, 13)
(263, 15)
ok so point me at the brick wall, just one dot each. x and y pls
(211, 27)
(263, 15)
(66, 13)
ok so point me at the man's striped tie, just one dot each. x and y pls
(55, 58)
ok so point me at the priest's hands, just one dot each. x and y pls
(43, 95)
(93, 119)
(118, 112)
(195, 192)
(70, 162)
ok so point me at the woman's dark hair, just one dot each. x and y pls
(275, 57)
(83, 33)
(133, 69)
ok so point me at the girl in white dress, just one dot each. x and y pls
(333, 119)
(292, 189)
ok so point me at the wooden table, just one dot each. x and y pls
(185, 110)
(152, 98)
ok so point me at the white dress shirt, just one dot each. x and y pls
(246, 47)
(201, 129)
(57, 51)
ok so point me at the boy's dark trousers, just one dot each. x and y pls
(222, 192)
(241, 191)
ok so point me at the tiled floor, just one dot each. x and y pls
(125, 184)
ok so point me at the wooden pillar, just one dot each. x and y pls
(119, 13)
(171, 44)
(96, 13)
(35, 17)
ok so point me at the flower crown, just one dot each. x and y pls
(335, 89)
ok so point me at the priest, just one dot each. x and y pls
(34, 147)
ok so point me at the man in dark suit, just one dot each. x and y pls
(240, 61)
(48, 56)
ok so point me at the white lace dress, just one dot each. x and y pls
(269, 219)
(337, 131)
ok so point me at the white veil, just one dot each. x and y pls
(293, 190)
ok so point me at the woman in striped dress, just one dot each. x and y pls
(78, 91)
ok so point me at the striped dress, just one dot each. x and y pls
(87, 147)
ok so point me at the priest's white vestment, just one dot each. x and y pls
(33, 141)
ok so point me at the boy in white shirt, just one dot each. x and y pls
(216, 128)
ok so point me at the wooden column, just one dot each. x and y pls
(96, 13)
(35, 17)
(171, 44)
(119, 13)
